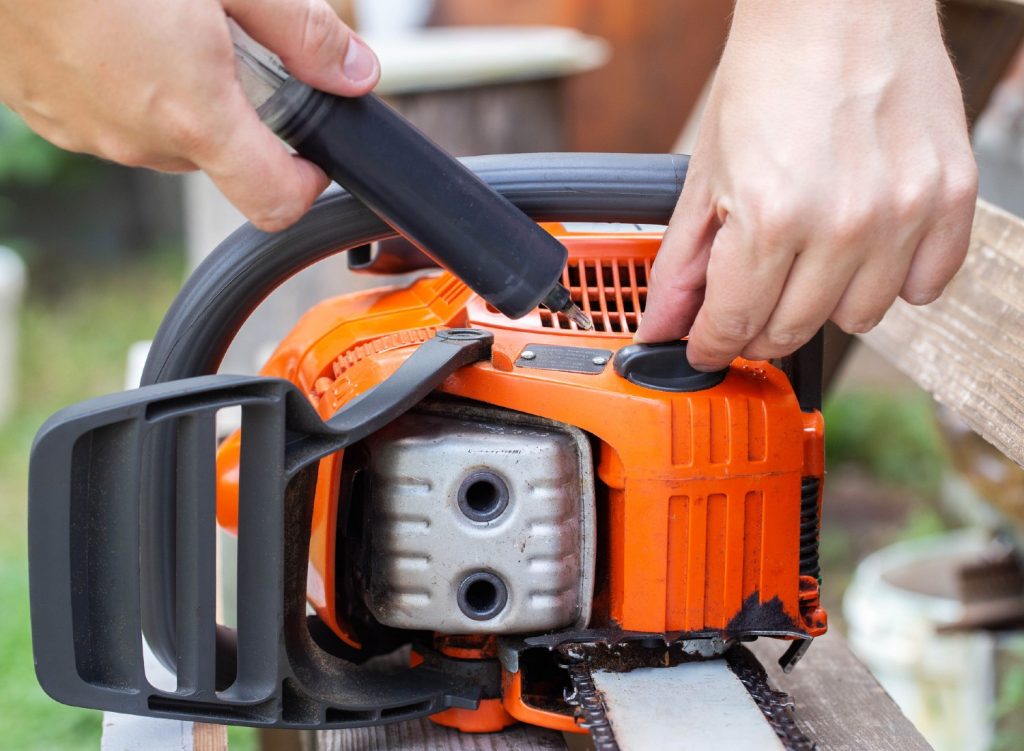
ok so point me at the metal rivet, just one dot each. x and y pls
(600, 360)
(528, 354)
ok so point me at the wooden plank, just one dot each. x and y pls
(505, 118)
(662, 53)
(423, 735)
(839, 704)
(967, 348)
(207, 737)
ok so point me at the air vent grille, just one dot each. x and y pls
(612, 291)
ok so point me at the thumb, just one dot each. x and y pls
(311, 40)
(680, 269)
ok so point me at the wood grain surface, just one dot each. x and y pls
(839, 704)
(207, 737)
(967, 348)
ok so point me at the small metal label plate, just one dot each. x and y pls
(566, 359)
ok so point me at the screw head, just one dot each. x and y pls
(528, 355)
(462, 334)
(599, 360)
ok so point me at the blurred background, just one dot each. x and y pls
(919, 513)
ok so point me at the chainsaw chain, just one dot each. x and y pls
(776, 706)
(589, 704)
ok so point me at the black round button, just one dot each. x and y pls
(663, 367)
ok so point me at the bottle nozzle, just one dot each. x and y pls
(558, 300)
(573, 313)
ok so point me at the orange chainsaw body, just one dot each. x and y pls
(698, 494)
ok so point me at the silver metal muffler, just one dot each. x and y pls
(481, 521)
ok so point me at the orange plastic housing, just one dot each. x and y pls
(699, 492)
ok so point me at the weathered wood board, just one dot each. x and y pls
(207, 737)
(967, 348)
(839, 704)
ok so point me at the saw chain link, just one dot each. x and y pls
(776, 706)
(589, 704)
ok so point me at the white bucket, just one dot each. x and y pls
(12, 290)
(944, 683)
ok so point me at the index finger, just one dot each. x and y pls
(743, 285)
(254, 170)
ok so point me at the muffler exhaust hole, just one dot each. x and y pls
(482, 595)
(483, 496)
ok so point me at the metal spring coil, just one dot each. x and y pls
(810, 527)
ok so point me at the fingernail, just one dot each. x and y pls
(704, 368)
(360, 63)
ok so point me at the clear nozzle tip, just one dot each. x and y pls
(558, 300)
(573, 313)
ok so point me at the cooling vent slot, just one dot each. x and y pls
(611, 291)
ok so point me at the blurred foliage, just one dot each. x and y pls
(924, 521)
(72, 347)
(891, 435)
(76, 220)
(30, 160)
(243, 739)
(885, 459)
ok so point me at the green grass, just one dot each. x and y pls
(73, 347)
(893, 436)
(885, 460)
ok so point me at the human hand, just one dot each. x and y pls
(151, 83)
(832, 173)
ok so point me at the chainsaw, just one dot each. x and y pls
(448, 499)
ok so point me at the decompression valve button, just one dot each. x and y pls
(663, 367)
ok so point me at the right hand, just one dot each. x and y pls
(833, 172)
(151, 83)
